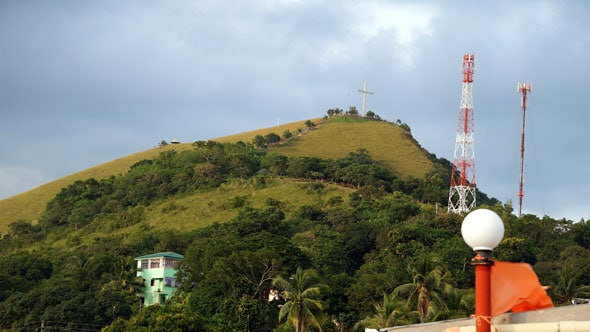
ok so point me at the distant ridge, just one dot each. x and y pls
(387, 143)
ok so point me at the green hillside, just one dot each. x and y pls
(201, 209)
(387, 143)
(348, 207)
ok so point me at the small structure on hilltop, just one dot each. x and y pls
(158, 272)
(365, 92)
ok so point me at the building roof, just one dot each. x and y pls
(167, 254)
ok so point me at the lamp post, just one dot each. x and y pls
(482, 230)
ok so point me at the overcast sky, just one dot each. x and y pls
(86, 82)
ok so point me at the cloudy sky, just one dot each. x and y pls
(86, 82)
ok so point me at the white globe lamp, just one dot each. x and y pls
(482, 230)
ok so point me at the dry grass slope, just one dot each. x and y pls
(30, 204)
(387, 144)
(199, 210)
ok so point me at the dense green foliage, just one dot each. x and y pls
(383, 255)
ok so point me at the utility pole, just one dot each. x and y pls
(462, 192)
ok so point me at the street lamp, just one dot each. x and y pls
(482, 230)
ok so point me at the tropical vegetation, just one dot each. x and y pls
(348, 242)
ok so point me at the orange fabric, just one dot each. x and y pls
(515, 287)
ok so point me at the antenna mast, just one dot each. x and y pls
(523, 88)
(462, 192)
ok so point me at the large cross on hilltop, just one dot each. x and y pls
(365, 92)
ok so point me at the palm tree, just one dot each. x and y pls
(124, 277)
(303, 304)
(430, 284)
(567, 286)
(388, 313)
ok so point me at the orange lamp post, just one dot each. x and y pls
(482, 230)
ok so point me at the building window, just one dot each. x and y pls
(170, 282)
(153, 282)
(170, 263)
(154, 264)
(145, 263)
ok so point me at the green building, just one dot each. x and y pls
(159, 276)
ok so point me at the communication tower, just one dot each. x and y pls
(523, 88)
(462, 192)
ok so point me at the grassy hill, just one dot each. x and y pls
(30, 204)
(387, 143)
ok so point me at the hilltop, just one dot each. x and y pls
(388, 144)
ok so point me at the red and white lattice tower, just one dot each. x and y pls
(523, 88)
(462, 192)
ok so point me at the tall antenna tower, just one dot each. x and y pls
(462, 192)
(523, 88)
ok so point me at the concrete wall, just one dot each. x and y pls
(580, 312)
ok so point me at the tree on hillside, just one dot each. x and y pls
(430, 284)
(578, 257)
(581, 233)
(334, 111)
(287, 134)
(259, 141)
(352, 111)
(517, 249)
(303, 305)
(309, 124)
(568, 287)
(272, 138)
(388, 313)
(168, 317)
(123, 277)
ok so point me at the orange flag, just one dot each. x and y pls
(515, 287)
